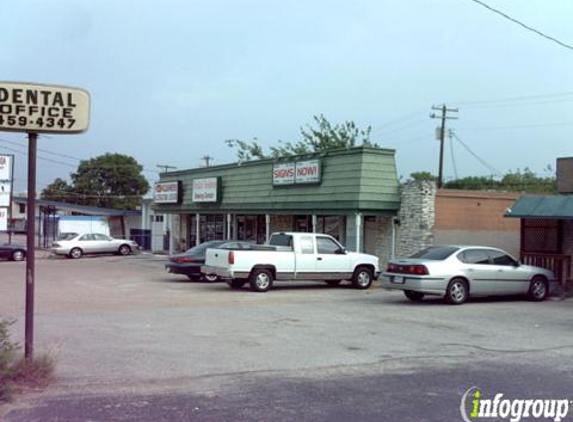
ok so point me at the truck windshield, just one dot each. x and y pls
(281, 240)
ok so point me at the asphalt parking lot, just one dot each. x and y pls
(136, 343)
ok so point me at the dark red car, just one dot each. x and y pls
(13, 252)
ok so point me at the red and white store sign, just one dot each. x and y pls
(205, 190)
(3, 219)
(300, 172)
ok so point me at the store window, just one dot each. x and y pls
(303, 223)
(252, 228)
(211, 227)
(333, 225)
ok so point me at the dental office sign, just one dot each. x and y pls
(38, 108)
(299, 172)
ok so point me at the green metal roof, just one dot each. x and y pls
(554, 207)
(356, 179)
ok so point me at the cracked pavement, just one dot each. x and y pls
(135, 343)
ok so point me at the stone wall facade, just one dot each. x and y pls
(416, 218)
(378, 238)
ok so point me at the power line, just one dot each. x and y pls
(397, 120)
(518, 104)
(518, 98)
(516, 126)
(529, 28)
(482, 161)
(70, 157)
(452, 154)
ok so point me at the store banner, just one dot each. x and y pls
(5, 188)
(3, 219)
(205, 190)
(5, 167)
(297, 173)
(167, 192)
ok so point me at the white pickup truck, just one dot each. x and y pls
(295, 256)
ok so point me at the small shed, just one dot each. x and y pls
(546, 232)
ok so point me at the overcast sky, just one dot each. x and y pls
(172, 80)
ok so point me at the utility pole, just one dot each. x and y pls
(207, 160)
(165, 167)
(442, 133)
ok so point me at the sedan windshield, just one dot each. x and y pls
(435, 253)
(66, 236)
(200, 249)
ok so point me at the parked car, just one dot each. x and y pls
(13, 252)
(292, 256)
(189, 262)
(458, 272)
(74, 245)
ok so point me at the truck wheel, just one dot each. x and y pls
(236, 284)
(362, 278)
(261, 280)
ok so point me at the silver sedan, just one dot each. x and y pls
(74, 245)
(457, 272)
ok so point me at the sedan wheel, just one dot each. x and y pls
(211, 278)
(18, 256)
(457, 292)
(75, 253)
(124, 250)
(538, 289)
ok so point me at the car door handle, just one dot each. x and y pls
(319, 258)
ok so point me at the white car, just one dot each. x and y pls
(292, 256)
(456, 272)
(74, 245)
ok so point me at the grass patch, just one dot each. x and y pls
(18, 373)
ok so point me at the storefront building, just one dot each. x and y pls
(338, 192)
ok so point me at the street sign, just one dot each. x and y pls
(38, 108)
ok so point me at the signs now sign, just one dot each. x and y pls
(300, 172)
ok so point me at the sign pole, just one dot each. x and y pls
(30, 246)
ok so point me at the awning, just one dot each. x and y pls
(554, 207)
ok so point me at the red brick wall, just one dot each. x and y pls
(474, 211)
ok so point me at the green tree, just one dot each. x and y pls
(419, 176)
(58, 190)
(321, 137)
(109, 180)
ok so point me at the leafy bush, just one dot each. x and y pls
(8, 351)
(20, 372)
